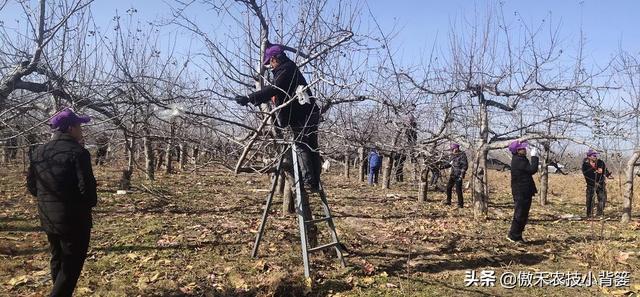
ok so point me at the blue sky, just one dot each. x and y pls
(607, 25)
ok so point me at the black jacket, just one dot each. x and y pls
(522, 172)
(459, 164)
(591, 176)
(286, 78)
(61, 177)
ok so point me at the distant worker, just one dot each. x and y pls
(522, 187)
(595, 171)
(102, 143)
(375, 162)
(459, 165)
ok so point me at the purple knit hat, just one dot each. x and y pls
(454, 146)
(272, 51)
(592, 153)
(516, 145)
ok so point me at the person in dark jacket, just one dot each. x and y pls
(459, 165)
(102, 142)
(375, 162)
(302, 114)
(595, 172)
(522, 187)
(61, 177)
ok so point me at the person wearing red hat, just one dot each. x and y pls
(302, 115)
(595, 171)
(61, 177)
(459, 166)
(522, 187)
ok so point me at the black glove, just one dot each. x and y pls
(242, 100)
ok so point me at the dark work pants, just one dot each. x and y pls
(522, 204)
(306, 138)
(67, 258)
(453, 181)
(435, 175)
(600, 192)
(373, 175)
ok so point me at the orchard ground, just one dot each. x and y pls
(191, 234)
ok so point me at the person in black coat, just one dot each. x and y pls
(595, 171)
(61, 177)
(459, 165)
(522, 187)
(302, 114)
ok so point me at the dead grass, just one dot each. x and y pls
(195, 237)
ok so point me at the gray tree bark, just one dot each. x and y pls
(386, 171)
(347, 165)
(544, 174)
(149, 156)
(627, 197)
(423, 186)
(362, 167)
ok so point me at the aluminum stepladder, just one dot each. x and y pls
(302, 222)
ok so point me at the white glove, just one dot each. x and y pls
(303, 97)
(534, 152)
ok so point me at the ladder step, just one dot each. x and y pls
(328, 245)
(325, 219)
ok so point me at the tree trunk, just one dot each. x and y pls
(347, 166)
(149, 157)
(386, 172)
(169, 150)
(288, 205)
(183, 156)
(281, 184)
(424, 186)
(125, 179)
(480, 179)
(480, 197)
(160, 159)
(194, 157)
(627, 197)
(544, 174)
(362, 168)
(131, 144)
(414, 169)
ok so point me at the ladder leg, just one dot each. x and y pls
(332, 227)
(300, 211)
(274, 182)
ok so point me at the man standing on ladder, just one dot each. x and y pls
(595, 171)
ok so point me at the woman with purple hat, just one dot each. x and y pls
(61, 177)
(459, 165)
(595, 171)
(522, 187)
(302, 115)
